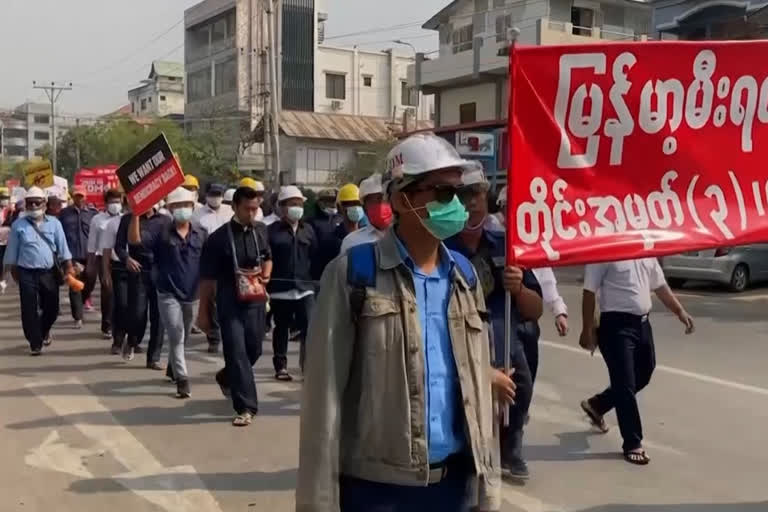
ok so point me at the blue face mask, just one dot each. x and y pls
(445, 219)
(355, 213)
(295, 213)
(182, 214)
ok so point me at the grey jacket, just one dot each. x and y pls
(363, 410)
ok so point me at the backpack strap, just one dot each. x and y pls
(361, 274)
(465, 267)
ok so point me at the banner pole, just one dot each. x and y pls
(509, 329)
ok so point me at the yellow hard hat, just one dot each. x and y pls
(252, 183)
(348, 193)
(191, 181)
(4, 191)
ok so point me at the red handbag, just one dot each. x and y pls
(248, 285)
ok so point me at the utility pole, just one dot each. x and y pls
(53, 92)
(77, 142)
(274, 115)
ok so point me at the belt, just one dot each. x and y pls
(440, 470)
(642, 318)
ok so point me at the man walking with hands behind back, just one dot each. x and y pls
(625, 339)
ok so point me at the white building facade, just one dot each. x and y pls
(27, 129)
(161, 94)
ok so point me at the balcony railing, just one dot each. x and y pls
(569, 29)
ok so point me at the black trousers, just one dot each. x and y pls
(531, 348)
(626, 342)
(106, 300)
(77, 299)
(512, 435)
(121, 309)
(242, 334)
(289, 314)
(39, 296)
(214, 335)
(143, 306)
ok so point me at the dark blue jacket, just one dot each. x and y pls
(77, 225)
(292, 256)
(328, 247)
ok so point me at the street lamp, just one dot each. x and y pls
(418, 92)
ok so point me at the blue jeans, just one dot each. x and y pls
(177, 318)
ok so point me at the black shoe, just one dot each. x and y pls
(138, 350)
(223, 385)
(48, 340)
(182, 389)
(107, 335)
(196, 330)
(116, 349)
(516, 468)
(36, 351)
(128, 351)
(155, 366)
(213, 348)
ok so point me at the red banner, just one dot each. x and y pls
(637, 149)
(97, 181)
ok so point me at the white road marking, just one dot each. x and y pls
(55, 455)
(525, 502)
(738, 386)
(723, 296)
(175, 489)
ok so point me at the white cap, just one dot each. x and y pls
(259, 186)
(181, 195)
(371, 185)
(422, 153)
(502, 196)
(229, 194)
(474, 176)
(289, 192)
(35, 193)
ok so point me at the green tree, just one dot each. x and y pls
(369, 159)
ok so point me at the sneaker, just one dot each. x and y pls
(196, 330)
(78, 324)
(155, 366)
(182, 389)
(516, 468)
(88, 306)
(35, 351)
(116, 349)
(48, 341)
(127, 351)
(213, 348)
(3, 286)
(138, 350)
(106, 335)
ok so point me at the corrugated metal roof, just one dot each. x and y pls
(315, 125)
(167, 68)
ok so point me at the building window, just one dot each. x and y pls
(320, 164)
(42, 119)
(226, 76)
(467, 112)
(162, 98)
(335, 87)
(133, 108)
(143, 104)
(503, 23)
(408, 97)
(149, 100)
(15, 133)
(462, 38)
(16, 151)
(583, 20)
(42, 136)
(367, 81)
(199, 40)
(199, 84)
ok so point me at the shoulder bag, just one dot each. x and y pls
(248, 285)
(58, 272)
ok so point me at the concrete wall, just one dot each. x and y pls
(483, 95)
(298, 156)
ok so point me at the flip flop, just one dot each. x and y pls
(242, 420)
(637, 458)
(597, 420)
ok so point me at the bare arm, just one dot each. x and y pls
(106, 266)
(134, 231)
(587, 339)
(529, 304)
(670, 301)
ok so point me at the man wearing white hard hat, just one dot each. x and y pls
(291, 290)
(485, 247)
(229, 194)
(38, 258)
(399, 336)
(377, 209)
(176, 247)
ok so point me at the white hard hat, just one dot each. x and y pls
(180, 195)
(502, 196)
(371, 185)
(229, 194)
(290, 192)
(422, 153)
(474, 176)
(259, 186)
(35, 193)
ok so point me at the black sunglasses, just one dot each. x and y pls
(35, 202)
(466, 193)
(443, 193)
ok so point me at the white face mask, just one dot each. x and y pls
(114, 208)
(215, 202)
(35, 214)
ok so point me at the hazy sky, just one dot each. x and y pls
(105, 47)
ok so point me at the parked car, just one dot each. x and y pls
(736, 267)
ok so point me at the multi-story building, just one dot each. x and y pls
(710, 19)
(226, 76)
(161, 94)
(469, 78)
(25, 130)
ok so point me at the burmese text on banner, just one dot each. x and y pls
(626, 150)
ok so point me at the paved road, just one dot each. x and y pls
(82, 431)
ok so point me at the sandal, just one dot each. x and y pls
(637, 458)
(596, 419)
(242, 420)
(283, 375)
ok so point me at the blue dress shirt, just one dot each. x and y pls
(176, 261)
(445, 424)
(27, 250)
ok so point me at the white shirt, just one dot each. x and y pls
(211, 220)
(97, 226)
(625, 286)
(365, 235)
(108, 236)
(550, 294)
(270, 219)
